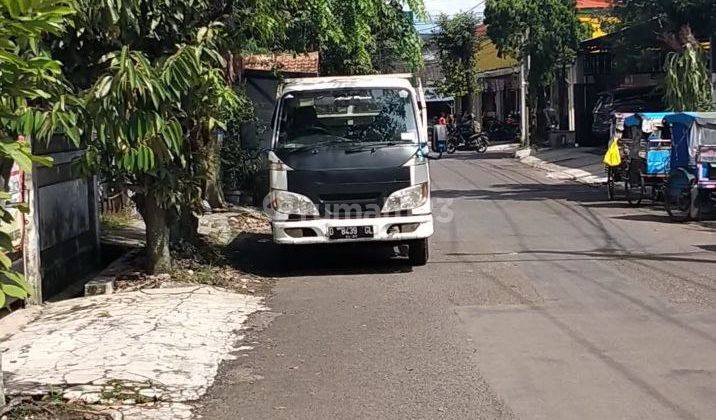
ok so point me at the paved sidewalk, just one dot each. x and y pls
(582, 164)
(147, 353)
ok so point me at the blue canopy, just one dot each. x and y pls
(637, 120)
(688, 118)
(684, 139)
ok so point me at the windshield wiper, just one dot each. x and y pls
(378, 146)
(321, 144)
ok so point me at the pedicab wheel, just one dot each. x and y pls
(611, 188)
(481, 148)
(697, 201)
(679, 203)
(634, 191)
(418, 252)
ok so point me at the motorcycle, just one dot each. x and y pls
(509, 130)
(463, 137)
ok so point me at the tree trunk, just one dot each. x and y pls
(2, 385)
(184, 227)
(213, 189)
(157, 235)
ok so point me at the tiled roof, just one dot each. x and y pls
(288, 63)
(593, 4)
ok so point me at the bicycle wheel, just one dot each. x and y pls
(635, 190)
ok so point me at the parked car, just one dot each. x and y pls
(634, 100)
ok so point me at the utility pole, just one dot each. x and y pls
(524, 87)
(713, 70)
(524, 109)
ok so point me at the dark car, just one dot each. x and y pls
(647, 99)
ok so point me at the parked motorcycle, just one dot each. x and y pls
(509, 130)
(463, 137)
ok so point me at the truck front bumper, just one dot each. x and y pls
(385, 229)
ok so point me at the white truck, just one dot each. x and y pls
(348, 162)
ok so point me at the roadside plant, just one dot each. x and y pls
(35, 103)
(687, 84)
(139, 111)
(457, 43)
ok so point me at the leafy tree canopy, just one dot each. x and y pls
(546, 30)
(670, 15)
(356, 36)
(456, 42)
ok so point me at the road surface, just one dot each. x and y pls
(540, 301)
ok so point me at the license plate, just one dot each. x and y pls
(351, 232)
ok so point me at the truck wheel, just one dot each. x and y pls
(283, 254)
(418, 252)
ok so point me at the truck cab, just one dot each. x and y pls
(348, 163)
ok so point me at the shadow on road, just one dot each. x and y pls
(528, 192)
(479, 156)
(623, 255)
(645, 217)
(257, 254)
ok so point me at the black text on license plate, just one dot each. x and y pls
(350, 232)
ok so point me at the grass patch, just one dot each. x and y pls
(50, 407)
(117, 221)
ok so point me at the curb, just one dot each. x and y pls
(104, 282)
(525, 156)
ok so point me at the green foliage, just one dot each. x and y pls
(239, 166)
(355, 36)
(546, 30)
(457, 41)
(686, 85)
(148, 117)
(667, 16)
(675, 26)
(35, 103)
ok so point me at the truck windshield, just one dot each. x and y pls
(383, 116)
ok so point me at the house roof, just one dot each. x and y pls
(287, 63)
(398, 81)
(593, 4)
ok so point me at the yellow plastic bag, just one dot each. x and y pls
(613, 156)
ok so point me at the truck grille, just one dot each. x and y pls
(350, 205)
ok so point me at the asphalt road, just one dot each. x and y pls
(541, 300)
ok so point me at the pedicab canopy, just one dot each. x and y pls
(648, 121)
(689, 131)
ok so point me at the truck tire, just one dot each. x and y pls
(418, 252)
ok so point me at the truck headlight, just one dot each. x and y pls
(407, 199)
(291, 203)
